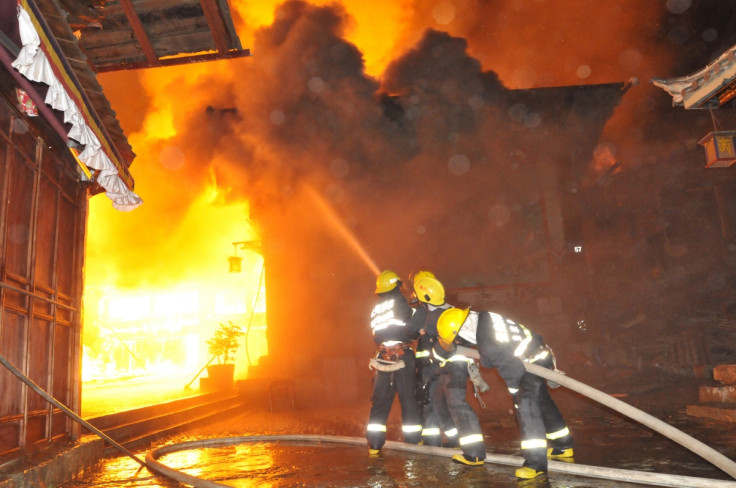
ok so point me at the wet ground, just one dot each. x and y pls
(282, 465)
(106, 397)
(603, 438)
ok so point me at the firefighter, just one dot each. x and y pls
(430, 294)
(394, 364)
(505, 345)
(449, 400)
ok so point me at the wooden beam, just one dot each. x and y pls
(212, 13)
(177, 61)
(140, 32)
(9, 45)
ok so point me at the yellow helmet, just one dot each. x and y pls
(387, 281)
(414, 277)
(449, 323)
(429, 290)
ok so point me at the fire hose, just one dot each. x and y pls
(658, 479)
(33, 386)
(385, 366)
(694, 445)
(624, 475)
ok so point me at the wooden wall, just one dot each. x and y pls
(42, 225)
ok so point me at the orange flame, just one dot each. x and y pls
(193, 207)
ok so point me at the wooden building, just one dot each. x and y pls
(60, 144)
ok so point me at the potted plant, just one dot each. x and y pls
(222, 346)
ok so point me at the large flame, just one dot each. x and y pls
(215, 140)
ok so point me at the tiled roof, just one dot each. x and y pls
(84, 37)
(711, 87)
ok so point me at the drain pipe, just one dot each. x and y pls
(33, 386)
(694, 445)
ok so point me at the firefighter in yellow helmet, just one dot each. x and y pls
(430, 295)
(450, 398)
(418, 275)
(506, 345)
(394, 364)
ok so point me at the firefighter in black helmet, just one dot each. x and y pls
(506, 345)
(394, 364)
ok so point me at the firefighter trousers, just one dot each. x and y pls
(434, 424)
(542, 425)
(450, 401)
(385, 387)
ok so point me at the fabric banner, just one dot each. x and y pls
(35, 63)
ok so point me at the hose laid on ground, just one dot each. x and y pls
(33, 386)
(694, 445)
(629, 476)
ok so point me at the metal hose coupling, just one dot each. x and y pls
(478, 382)
(552, 384)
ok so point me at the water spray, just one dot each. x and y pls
(338, 225)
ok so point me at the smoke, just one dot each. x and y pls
(431, 158)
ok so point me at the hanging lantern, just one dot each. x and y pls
(235, 261)
(720, 149)
(235, 264)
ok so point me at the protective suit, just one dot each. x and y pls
(450, 400)
(430, 295)
(505, 344)
(394, 364)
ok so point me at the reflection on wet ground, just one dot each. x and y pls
(602, 439)
(282, 464)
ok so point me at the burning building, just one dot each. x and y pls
(437, 166)
(527, 179)
(61, 144)
(498, 170)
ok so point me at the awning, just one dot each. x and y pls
(40, 62)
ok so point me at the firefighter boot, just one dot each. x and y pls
(374, 453)
(527, 473)
(554, 453)
(468, 460)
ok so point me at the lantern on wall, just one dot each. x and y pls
(236, 262)
(720, 149)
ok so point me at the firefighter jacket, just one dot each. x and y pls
(444, 357)
(389, 319)
(425, 317)
(503, 344)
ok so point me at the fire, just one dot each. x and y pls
(153, 301)
(137, 333)
(211, 138)
(578, 42)
(377, 28)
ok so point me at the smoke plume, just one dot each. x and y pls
(432, 147)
